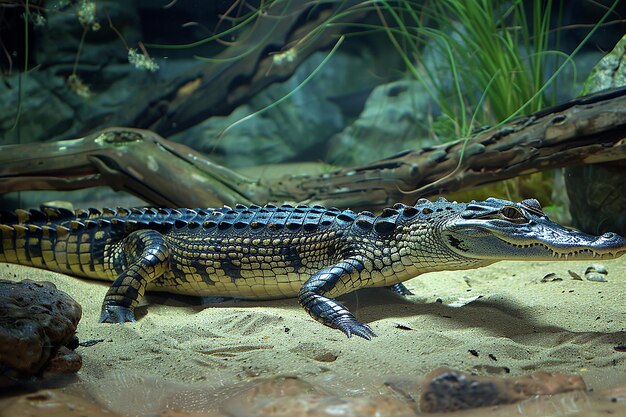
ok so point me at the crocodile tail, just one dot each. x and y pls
(28, 237)
(30, 244)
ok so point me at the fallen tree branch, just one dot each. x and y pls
(137, 161)
(246, 67)
(586, 130)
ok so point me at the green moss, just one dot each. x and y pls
(610, 72)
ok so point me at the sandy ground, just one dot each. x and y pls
(518, 326)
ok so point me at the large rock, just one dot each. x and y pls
(52, 403)
(296, 129)
(394, 119)
(42, 102)
(37, 322)
(597, 196)
(38, 112)
(293, 397)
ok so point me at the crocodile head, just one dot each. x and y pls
(499, 230)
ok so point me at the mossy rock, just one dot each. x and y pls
(597, 192)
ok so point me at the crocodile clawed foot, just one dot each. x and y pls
(116, 314)
(400, 289)
(351, 326)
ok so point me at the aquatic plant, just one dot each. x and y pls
(494, 59)
(482, 63)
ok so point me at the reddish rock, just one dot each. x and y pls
(64, 361)
(447, 390)
(614, 394)
(292, 397)
(51, 403)
(36, 320)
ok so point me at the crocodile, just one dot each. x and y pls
(310, 252)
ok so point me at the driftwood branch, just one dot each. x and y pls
(586, 130)
(195, 92)
(137, 161)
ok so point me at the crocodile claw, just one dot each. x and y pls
(351, 326)
(400, 289)
(116, 314)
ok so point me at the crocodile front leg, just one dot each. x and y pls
(326, 310)
(143, 256)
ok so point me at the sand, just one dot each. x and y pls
(519, 325)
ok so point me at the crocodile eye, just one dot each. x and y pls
(512, 213)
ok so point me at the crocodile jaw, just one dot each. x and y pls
(541, 242)
(607, 246)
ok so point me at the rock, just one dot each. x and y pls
(551, 277)
(394, 119)
(609, 73)
(58, 39)
(594, 276)
(293, 397)
(52, 403)
(597, 192)
(64, 361)
(48, 107)
(36, 115)
(615, 394)
(597, 197)
(446, 390)
(600, 269)
(131, 394)
(294, 130)
(597, 273)
(36, 321)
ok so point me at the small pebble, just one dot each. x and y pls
(600, 269)
(594, 276)
(551, 277)
(596, 272)
(574, 275)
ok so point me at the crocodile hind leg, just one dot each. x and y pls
(142, 257)
(400, 289)
(328, 311)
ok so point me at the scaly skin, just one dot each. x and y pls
(271, 252)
